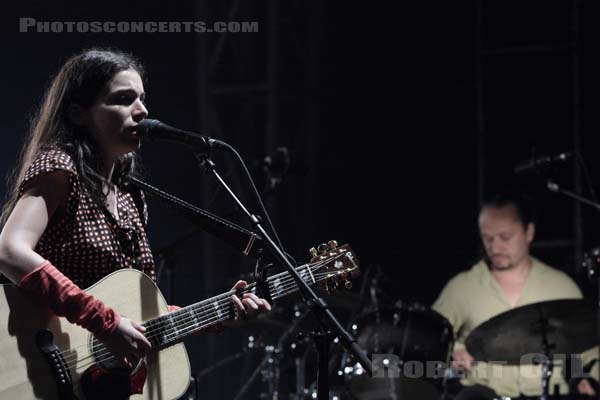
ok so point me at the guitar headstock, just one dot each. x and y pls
(338, 264)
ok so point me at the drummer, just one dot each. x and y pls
(507, 277)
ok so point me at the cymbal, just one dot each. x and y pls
(571, 327)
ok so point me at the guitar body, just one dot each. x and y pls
(25, 372)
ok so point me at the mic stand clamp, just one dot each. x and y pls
(316, 304)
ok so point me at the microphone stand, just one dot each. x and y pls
(330, 326)
(554, 187)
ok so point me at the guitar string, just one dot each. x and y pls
(183, 316)
(97, 358)
(193, 328)
(189, 324)
(190, 327)
(281, 289)
(225, 299)
(149, 327)
(202, 304)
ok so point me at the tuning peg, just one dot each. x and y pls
(332, 244)
(348, 284)
(322, 248)
(313, 252)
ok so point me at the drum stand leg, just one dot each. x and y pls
(300, 363)
(547, 367)
(548, 363)
(322, 340)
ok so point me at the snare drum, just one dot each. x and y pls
(409, 345)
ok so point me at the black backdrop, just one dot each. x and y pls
(379, 109)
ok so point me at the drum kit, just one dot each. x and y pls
(411, 345)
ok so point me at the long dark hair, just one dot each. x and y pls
(80, 81)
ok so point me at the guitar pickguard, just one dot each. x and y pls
(99, 384)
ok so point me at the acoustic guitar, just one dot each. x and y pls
(43, 356)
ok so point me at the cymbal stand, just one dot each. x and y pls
(253, 344)
(300, 364)
(298, 349)
(268, 367)
(262, 369)
(547, 367)
(548, 362)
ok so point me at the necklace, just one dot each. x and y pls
(107, 200)
(112, 194)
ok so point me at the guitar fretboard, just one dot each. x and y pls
(171, 328)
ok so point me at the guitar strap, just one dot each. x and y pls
(247, 242)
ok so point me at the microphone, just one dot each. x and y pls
(153, 129)
(278, 163)
(541, 161)
(276, 166)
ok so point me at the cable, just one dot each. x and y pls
(258, 197)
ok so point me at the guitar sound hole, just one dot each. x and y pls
(109, 363)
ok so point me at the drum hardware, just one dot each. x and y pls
(193, 391)
(298, 350)
(547, 362)
(321, 340)
(570, 326)
(591, 259)
(591, 262)
(546, 328)
(404, 342)
(268, 368)
(253, 344)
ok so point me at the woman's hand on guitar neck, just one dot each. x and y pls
(250, 305)
(128, 342)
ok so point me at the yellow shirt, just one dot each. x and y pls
(474, 296)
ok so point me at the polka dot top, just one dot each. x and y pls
(88, 242)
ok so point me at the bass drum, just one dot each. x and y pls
(409, 346)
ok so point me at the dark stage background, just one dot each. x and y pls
(397, 120)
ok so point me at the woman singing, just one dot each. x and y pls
(70, 219)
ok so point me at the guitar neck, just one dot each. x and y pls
(171, 328)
